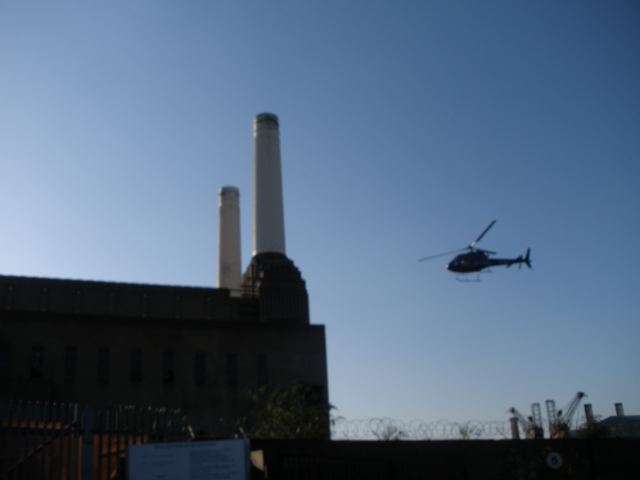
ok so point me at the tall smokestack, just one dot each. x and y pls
(271, 277)
(268, 212)
(229, 258)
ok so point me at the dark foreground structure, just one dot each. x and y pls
(611, 459)
(74, 442)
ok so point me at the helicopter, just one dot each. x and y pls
(476, 259)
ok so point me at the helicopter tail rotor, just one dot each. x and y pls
(527, 258)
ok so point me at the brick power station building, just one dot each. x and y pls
(198, 349)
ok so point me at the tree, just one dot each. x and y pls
(286, 412)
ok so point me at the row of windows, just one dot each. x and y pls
(167, 366)
(111, 302)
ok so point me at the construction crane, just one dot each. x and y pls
(532, 429)
(536, 415)
(560, 420)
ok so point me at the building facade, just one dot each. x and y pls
(198, 349)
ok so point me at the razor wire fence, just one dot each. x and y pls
(393, 429)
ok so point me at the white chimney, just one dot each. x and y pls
(268, 212)
(229, 259)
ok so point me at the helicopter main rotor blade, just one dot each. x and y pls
(423, 259)
(473, 244)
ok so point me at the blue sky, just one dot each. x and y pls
(406, 127)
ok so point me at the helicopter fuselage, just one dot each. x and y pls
(476, 261)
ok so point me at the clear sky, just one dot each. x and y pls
(406, 127)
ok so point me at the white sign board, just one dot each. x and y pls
(221, 460)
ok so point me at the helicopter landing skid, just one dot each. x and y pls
(467, 278)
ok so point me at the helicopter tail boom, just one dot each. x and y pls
(526, 259)
(520, 260)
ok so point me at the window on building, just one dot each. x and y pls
(178, 307)
(8, 299)
(43, 300)
(112, 302)
(208, 308)
(200, 368)
(4, 360)
(103, 365)
(232, 370)
(263, 370)
(136, 365)
(70, 364)
(77, 301)
(168, 373)
(145, 305)
(37, 361)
